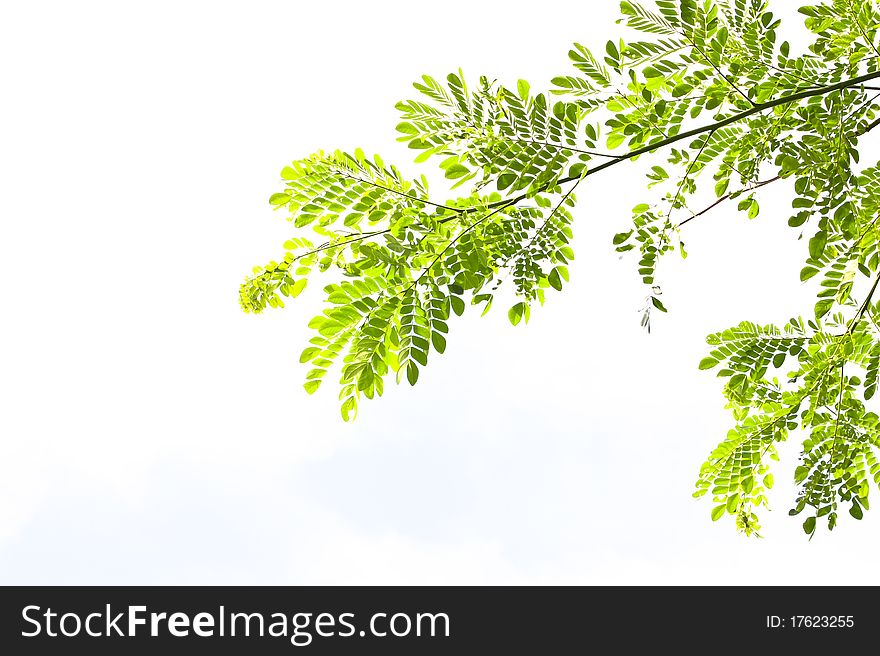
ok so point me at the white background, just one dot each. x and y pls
(152, 433)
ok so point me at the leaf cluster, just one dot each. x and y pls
(723, 106)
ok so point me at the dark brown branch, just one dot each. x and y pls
(864, 306)
(770, 104)
(873, 124)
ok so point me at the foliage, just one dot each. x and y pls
(708, 85)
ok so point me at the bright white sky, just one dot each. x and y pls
(152, 433)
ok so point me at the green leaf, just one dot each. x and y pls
(810, 525)
(732, 503)
(823, 307)
(817, 244)
(718, 512)
(309, 353)
(611, 49)
(515, 313)
(457, 171)
(681, 90)
(707, 363)
(614, 140)
(412, 373)
(798, 219)
(754, 208)
(505, 180)
(349, 409)
(297, 287)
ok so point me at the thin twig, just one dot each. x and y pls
(725, 197)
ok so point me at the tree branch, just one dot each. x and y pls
(770, 104)
(863, 307)
(873, 124)
(500, 205)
